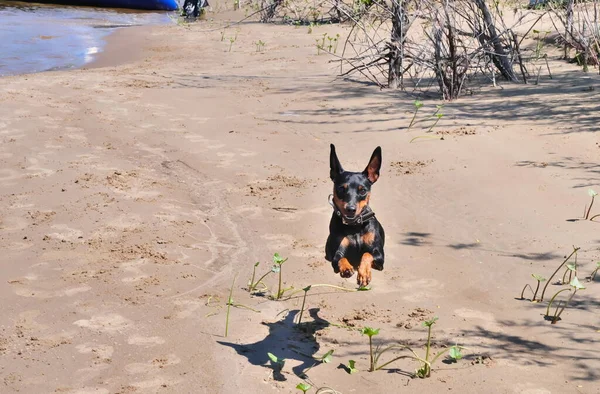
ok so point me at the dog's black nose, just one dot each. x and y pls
(351, 209)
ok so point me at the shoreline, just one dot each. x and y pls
(122, 46)
(45, 38)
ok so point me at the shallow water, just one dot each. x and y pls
(35, 37)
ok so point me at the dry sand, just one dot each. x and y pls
(132, 195)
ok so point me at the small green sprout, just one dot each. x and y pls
(260, 45)
(574, 252)
(455, 353)
(276, 362)
(418, 104)
(438, 116)
(592, 194)
(306, 289)
(370, 332)
(304, 387)
(231, 41)
(594, 272)
(575, 286)
(539, 280)
(229, 304)
(571, 269)
(425, 369)
(251, 284)
(350, 368)
(277, 263)
(326, 358)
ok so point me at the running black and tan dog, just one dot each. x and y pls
(356, 238)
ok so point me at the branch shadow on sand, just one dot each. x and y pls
(286, 340)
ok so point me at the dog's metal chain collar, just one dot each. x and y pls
(355, 221)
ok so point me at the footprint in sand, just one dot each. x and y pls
(186, 307)
(139, 340)
(278, 241)
(249, 212)
(109, 323)
(36, 169)
(65, 233)
(13, 223)
(32, 292)
(152, 367)
(103, 351)
(133, 268)
(7, 176)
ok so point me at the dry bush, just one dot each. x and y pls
(578, 25)
(431, 44)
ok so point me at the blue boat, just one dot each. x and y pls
(158, 5)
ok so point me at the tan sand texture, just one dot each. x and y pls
(132, 194)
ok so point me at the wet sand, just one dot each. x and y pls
(37, 37)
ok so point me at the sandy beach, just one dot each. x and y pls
(135, 190)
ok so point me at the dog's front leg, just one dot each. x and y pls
(340, 263)
(364, 270)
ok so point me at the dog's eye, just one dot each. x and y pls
(340, 190)
(362, 192)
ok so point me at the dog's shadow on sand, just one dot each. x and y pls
(286, 340)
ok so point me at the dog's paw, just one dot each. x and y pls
(346, 269)
(363, 278)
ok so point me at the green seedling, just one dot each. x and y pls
(260, 45)
(594, 272)
(418, 104)
(231, 41)
(438, 116)
(251, 284)
(438, 108)
(304, 387)
(426, 363)
(231, 303)
(276, 362)
(324, 359)
(213, 305)
(223, 36)
(575, 249)
(539, 280)
(539, 42)
(260, 281)
(592, 193)
(276, 268)
(333, 43)
(350, 368)
(306, 289)
(575, 286)
(571, 269)
(425, 370)
(277, 263)
(455, 353)
(370, 332)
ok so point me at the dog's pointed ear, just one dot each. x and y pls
(335, 168)
(372, 170)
